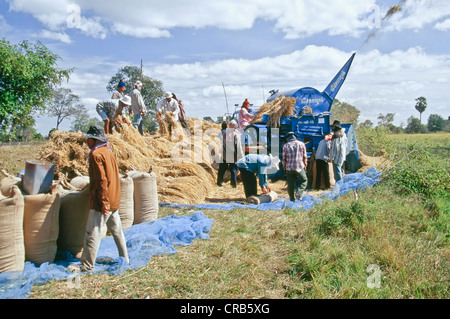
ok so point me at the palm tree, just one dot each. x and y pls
(421, 105)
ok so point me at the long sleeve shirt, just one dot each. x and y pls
(137, 102)
(112, 108)
(294, 156)
(323, 150)
(104, 180)
(231, 145)
(257, 164)
(166, 106)
(339, 148)
(244, 118)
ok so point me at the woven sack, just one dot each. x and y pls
(12, 250)
(73, 216)
(41, 226)
(146, 205)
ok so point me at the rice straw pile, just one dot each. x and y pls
(281, 106)
(181, 182)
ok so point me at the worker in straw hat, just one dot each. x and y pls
(104, 200)
(294, 163)
(110, 109)
(257, 164)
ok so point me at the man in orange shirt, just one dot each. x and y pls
(104, 199)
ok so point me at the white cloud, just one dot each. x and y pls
(443, 26)
(295, 18)
(60, 36)
(416, 14)
(377, 82)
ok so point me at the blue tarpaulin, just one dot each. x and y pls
(143, 241)
(350, 182)
(160, 236)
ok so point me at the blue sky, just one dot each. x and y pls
(252, 46)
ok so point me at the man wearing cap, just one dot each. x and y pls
(295, 160)
(322, 159)
(118, 94)
(257, 164)
(137, 106)
(338, 150)
(168, 104)
(110, 109)
(104, 199)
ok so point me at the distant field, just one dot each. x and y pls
(13, 157)
(441, 140)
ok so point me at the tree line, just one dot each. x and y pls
(31, 86)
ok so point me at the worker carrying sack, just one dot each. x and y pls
(12, 250)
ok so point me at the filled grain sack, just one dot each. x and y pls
(41, 226)
(7, 181)
(146, 205)
(80, 182)
(73, 216)
(265, 198)
(126, 210)
(12, 250)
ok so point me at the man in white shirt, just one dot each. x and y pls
(137, 106)
(168, 104)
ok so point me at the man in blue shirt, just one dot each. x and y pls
(257, 164)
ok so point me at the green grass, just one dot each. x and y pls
(324, 252)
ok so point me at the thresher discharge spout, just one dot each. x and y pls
(335, 85)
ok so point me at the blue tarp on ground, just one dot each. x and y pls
(143, 241)
(350, 182)
(159, 237)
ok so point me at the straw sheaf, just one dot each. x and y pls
(280, 107)
(187, 183)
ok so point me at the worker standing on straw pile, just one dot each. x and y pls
(118, 94)
(181, 113)
(245, 117)
(109, 110)
(137, 107)
(294, 163)
(231, 152)
(338, 150)
(104, 200)
(166, 105)
(257, 164)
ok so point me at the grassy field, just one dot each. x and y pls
(396, 232)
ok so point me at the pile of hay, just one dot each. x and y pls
(281, 106)
(181, 182)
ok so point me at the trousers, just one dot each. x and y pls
(292, 177)
(322, 169)
(250, 184)
(94, 229)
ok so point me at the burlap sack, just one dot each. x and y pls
(73, 216)
(80, 182)
(7, 182)
(41, 226)
(12, 250)
(146, 205)
(126, 210)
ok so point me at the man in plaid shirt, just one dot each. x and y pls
(294, 164)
